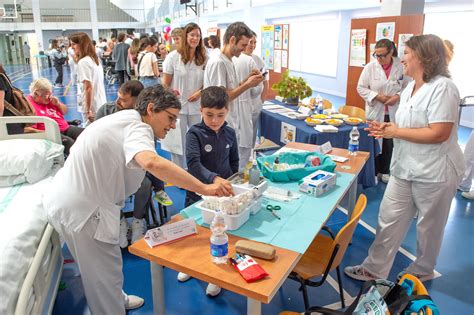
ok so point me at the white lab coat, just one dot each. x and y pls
(373, 81)
(423, 180)
(220, 71)
(85, 198)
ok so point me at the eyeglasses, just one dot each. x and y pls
(381, 56)
(172, 117)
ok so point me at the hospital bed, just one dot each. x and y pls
(31, 260)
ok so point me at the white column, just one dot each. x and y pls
(94, 23)
(402, 7)
(37, 22)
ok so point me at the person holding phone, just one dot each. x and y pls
(245, 66)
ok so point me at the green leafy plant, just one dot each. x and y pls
(292, 87)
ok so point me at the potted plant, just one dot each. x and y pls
(292, 89)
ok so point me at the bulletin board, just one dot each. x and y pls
(277, 56)
(406, 24)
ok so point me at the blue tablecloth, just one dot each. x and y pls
(271, 127)
(300, 220)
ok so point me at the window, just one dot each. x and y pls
(314, 45)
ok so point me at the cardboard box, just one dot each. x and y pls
(318, 183)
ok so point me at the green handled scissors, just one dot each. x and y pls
(272, 209)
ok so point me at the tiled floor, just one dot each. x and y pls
(452, 291)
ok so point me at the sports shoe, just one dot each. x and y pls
(138, 229)
(182, 277)
(385, 178)
(163, 198)
(58, 86)
(422, 278)
(468, 194)
(133, 302)
(212, 290)
(123, 240)
(359, 273)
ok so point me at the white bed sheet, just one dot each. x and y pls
(22, 221)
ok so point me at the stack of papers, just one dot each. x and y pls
(326, 128)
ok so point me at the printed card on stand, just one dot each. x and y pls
(170, 232)
(326, 147)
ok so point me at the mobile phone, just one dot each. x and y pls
(265, 73)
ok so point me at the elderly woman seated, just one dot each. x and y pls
(42, 99)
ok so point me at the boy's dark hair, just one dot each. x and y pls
(160, 97)
(132, 87)
(237, 29)
(214, 97)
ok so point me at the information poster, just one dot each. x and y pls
(385, 30)
(287, 133)
(278, 36)
(267, 45)
(372, 52)
(277, 61)
(286, 34)
(358, 44)
(284, 58)
(402, 39)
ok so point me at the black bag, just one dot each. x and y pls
(20, 106)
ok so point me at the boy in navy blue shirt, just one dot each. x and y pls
(211, 146)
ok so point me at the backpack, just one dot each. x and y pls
(20, 106)
(384, 297)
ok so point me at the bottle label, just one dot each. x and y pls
(353, 147)
(219, 250)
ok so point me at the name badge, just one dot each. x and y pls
(170, 232)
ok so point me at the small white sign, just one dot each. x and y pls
(170, 232)
(304, 110)
(326, 147)
(287, 133)
(337, 158)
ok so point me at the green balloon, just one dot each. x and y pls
(167, 20)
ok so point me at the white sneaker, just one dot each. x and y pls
(138, 229)
(212, 290)
(385, 178)
(123, 240)
(182, 277)
(133, 302)
(468, 194)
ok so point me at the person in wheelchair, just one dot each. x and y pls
(127, 97)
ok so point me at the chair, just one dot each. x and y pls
(352, 111)
(325, 254)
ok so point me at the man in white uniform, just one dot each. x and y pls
(106, 165)
(245, 64)
(220, 71)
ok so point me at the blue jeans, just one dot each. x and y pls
(149, 81)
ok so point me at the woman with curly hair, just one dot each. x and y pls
(427, 163)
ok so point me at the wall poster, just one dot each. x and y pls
(284, 58)
(357, 51)
(385, 30)
(278, 37)
(267, 45)
(286, 34)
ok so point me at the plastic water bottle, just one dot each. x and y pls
(319, 102)
(354, 141)
(219, 239)
(254, 174)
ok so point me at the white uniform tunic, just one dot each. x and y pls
(244, 65)
(187, 79)
(86, 196)
(220, 71)
(424, 180)
(88, 70)
(373, 81)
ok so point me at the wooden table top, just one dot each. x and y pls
(191, 255)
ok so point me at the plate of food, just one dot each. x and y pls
(334, 122)
(354, 121)
(313, 122)
(320, 116)
(339, 116)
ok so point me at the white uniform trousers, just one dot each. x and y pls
(100, 265)
(186, 121)
(400, 203)
(466, 183)
(244, 157)
(255, 122)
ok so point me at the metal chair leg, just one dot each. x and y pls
(341, 291)
(305, 296)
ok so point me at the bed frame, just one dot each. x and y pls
(38, 292)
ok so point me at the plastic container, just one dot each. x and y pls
(233, 221)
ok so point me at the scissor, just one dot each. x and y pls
(272, 209)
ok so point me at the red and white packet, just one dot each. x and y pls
(249, 269)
